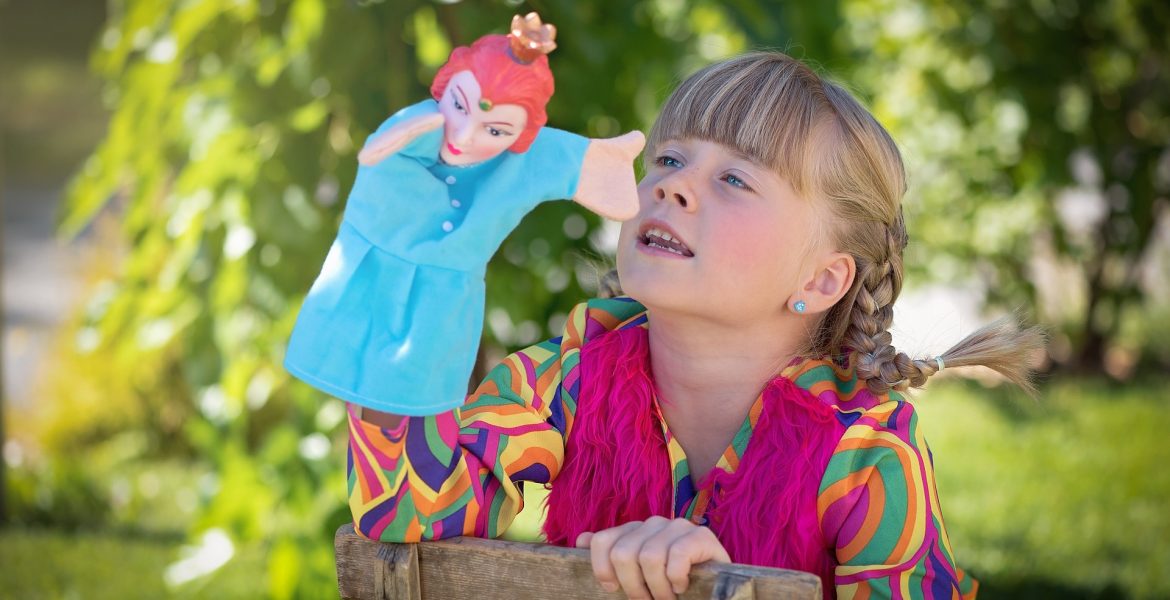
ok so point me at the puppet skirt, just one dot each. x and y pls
(387, 333)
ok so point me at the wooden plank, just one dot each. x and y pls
(465, 568)
(368, 570)
(730, 586)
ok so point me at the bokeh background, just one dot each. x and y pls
(173, 173)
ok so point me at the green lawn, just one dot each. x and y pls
(1063, 498)
(36, 564)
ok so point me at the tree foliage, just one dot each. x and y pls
(1037, 137)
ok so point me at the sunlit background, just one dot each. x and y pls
(173, 173)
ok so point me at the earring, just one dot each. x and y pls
(799, 306)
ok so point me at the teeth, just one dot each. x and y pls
(654, 234)
(667, 248)
(662, 234)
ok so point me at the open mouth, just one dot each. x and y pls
(659, 236)
(453, 149)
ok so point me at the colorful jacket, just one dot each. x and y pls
(461, 472)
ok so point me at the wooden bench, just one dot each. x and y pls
(482, 569)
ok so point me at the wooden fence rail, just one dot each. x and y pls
(465, 568)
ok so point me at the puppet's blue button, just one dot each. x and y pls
(448, 226)
(450, 180)
(456, 203)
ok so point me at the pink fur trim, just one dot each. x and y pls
(766, 512)
(616, 464)
(617, 468)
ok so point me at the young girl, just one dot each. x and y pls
(743, 402)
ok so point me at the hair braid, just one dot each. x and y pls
(878, 284)
(998, 346)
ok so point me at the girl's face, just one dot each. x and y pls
(472, 134)
(717, 235)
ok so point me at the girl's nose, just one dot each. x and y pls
(670, 188)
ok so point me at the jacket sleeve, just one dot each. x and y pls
(458, 472)
(879, 508)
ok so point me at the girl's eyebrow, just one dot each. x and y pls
(462, 93)
(740, 154)
(499, 123)
(752, 165)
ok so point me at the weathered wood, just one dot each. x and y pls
(369, 570)
(730, 586)
(466, 568)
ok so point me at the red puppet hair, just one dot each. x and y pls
(503, 80)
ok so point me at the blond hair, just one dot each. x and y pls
(816, 135)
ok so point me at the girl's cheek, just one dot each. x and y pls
(746, 241)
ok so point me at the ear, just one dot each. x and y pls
(828, 283)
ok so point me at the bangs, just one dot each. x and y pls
(763, 105)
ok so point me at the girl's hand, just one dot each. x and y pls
(651, 558)
(396, 136)
(607, 185)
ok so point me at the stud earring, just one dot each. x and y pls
(799, 306)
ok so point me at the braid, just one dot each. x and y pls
(1001, 346)
(872, 312)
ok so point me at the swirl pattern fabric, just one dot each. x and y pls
(461, 472)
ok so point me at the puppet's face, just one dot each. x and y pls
(471, 133)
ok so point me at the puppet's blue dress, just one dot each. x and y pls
(394, 319)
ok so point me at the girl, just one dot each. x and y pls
(743, 402)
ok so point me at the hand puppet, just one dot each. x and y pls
(394, 319)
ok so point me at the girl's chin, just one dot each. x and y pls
(654, 289)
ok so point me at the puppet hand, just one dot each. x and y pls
(398, 135)
(650, 559)
(607, 186)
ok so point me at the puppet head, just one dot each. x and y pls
(507, 71)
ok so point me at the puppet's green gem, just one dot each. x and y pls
(485, 104)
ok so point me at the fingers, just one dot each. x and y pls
(650, 559)
(653, 559)
(697, 546)
(600, 544)
(626, 557)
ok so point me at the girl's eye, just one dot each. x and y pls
(736, 181)
(495, 132)
(667, 161)
(458, 106)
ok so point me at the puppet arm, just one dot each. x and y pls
(607, 185)
(396, 136)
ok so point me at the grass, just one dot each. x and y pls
(50, 564)
(1065, 497)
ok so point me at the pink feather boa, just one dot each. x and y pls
(617, 468)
